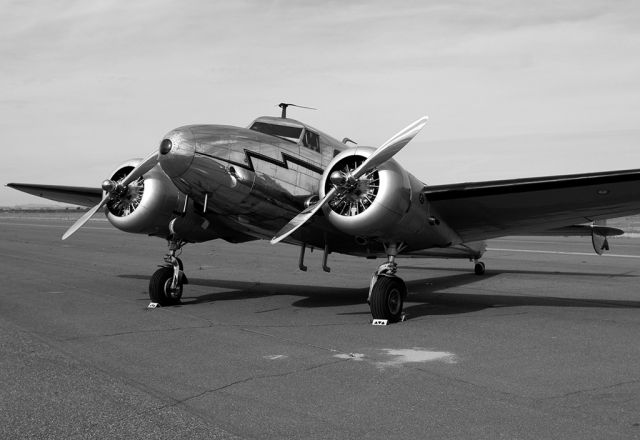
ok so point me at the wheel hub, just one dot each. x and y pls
(394, 301)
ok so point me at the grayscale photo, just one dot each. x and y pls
(320, 220)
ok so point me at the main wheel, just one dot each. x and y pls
(479, 268)
(160, 287)
(387, 298)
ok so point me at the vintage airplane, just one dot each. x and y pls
(284, 180)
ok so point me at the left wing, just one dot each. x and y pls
(75, 195)
(483, 210)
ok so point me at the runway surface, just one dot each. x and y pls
(544, 345)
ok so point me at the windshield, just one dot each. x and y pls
(286, 132)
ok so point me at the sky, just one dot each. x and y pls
(512, 88)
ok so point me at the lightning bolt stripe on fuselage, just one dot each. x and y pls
(286, 159)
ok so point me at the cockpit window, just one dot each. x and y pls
(286, 132)
(311, 140)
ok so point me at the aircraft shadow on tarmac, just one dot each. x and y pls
(433, 301)
(428, 293)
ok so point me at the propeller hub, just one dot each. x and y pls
(109, 186)
(165, 146)
(338, 178)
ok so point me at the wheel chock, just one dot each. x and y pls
(403, 318)
(153, 305)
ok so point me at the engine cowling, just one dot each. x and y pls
(377, 203)
(149, 203)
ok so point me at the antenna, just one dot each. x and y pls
(284, 105)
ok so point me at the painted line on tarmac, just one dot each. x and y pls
(583, 254)
(618, 240)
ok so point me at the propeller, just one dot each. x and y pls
(347, 182)
(113, 190)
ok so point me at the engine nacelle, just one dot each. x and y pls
(149, 204)
(379, 203)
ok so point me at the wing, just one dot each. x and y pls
(482, 210)
(75, 195)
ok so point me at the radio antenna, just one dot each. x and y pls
(284, 105)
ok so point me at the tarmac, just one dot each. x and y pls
(544, 345)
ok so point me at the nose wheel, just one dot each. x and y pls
(165, 285)
(387, 298)
(161, 290)
(387, 292)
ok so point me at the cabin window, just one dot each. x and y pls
(311, 140)
(286, 132)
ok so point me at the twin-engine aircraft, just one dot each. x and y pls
(283, 180)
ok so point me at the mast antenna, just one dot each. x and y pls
(284, 105)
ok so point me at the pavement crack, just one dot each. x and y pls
(591, 390)
(293, 341)
(474, 385)
(175, 402)
(136, 332)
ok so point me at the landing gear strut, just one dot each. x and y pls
(165, 286)
(387, 292)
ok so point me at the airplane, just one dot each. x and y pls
(286, 181)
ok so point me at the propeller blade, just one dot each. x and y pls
(149, 162)
(85, 218)
(302, 218)
(387, 150)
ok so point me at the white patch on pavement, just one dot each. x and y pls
(581, 254)
(416, 355)
(352, 356)
(273, 357)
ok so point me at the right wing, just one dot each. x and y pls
(483, 210)
(75, 195)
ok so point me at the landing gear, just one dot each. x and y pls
(160, 290)
(387, 298)
(387, 292)
(165, 286)
(479, 268)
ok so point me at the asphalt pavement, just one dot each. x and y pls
(544, 345)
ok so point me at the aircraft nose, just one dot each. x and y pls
(176, 151)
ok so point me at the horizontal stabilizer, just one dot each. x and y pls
(599, 240)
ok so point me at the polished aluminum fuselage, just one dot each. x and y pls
(251, 183)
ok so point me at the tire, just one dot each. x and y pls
(387, 298)
(159, 285)
(479, 268)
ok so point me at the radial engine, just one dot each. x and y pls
(385, 202)
(152, 205)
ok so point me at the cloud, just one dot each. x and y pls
(103, 80)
